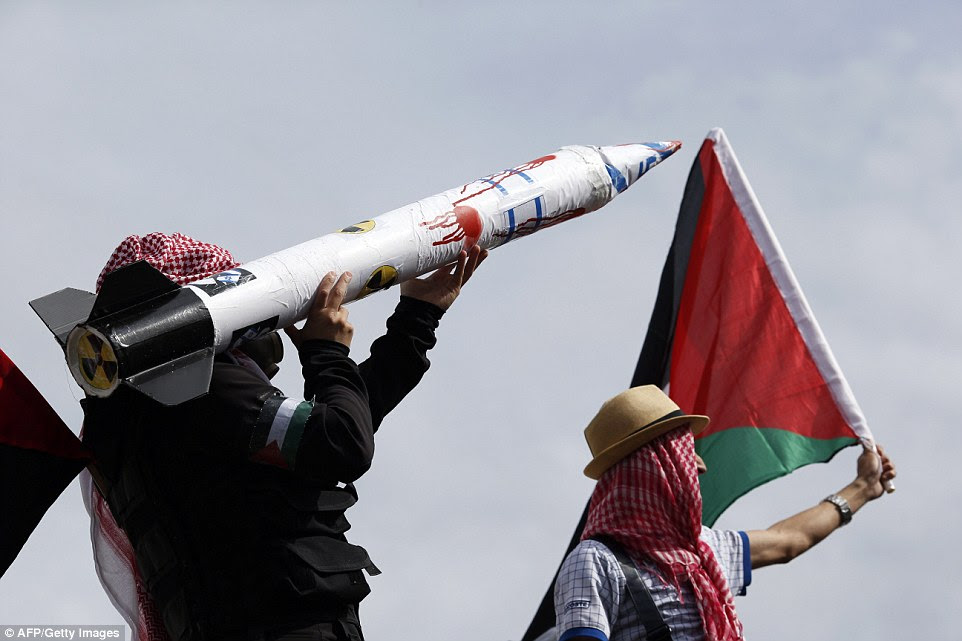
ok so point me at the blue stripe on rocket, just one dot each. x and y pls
(648, 163)
(617, 179)
(538, 204)
(510, 212)
(663, 152)
(537, 201)
(494, 183)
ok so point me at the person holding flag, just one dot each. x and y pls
(645, 517)
(732, 337)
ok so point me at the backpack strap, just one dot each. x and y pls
(655, 627)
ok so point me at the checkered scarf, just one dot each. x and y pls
(650, 502)
(181, 258)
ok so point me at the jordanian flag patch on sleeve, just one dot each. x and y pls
(279, 430)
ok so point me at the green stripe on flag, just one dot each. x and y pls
(742, 458)
(295, 430)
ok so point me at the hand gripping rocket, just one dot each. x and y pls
(160, 338)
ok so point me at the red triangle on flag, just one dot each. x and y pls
(743, 345)
(271, 455)
(39, 456)
(738, 354)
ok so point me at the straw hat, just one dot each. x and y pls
(628, 421)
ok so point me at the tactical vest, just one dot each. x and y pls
(227, 548)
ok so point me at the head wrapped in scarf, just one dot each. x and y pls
(180, 258)
(650, 502)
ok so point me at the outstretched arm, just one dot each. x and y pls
(786, 539)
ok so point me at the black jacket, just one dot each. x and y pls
(234, 502)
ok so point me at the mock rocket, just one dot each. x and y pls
(144, 331)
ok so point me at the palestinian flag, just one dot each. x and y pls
(732, 337)
(39, 456)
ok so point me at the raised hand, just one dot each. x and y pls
(874, 470)
(327, 318)
(443, 286)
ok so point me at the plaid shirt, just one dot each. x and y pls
(590, 592)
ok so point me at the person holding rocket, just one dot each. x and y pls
(229, 494)
(233, 503)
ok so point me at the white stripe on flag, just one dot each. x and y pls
(788, 285)
(282, 420)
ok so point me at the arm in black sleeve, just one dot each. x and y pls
(339, 435)
(328, 437)
(399, 358)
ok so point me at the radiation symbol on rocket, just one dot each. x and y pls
(358, 228)
(97, 361)
(381, 278)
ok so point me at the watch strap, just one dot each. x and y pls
(844, 509)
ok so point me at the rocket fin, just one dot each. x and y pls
(129, 285)
(62, 311)
(179, 380)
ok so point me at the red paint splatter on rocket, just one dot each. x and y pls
(466, 222)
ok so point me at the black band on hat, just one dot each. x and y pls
(663, 418)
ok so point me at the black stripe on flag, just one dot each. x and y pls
(262, 428)
(655, 360)
(33, 481)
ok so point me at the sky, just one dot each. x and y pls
(260, 125)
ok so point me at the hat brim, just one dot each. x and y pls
(611, 455)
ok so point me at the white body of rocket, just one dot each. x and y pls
(276, 290)
(159, 338)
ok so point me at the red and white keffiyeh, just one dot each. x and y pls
(117, 568)
(183, 260)
(650, 502)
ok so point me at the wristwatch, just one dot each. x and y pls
(844, 510)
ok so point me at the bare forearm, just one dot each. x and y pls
(790, 537)
(797, 534)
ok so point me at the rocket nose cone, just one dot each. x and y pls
(627, 163)
(667, 147)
